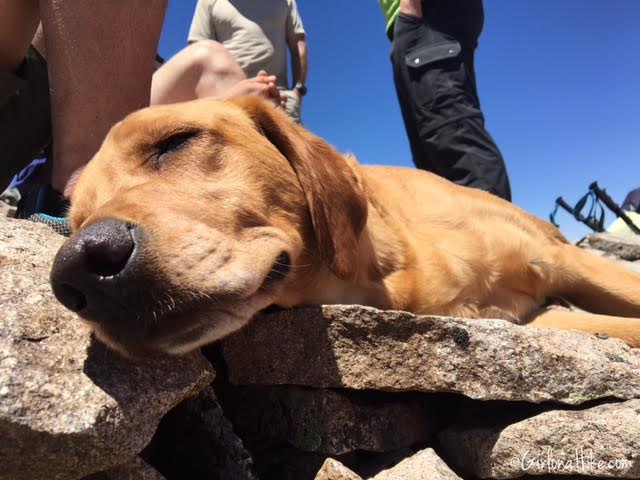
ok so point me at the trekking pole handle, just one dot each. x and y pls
(560, 201)
(613, 206)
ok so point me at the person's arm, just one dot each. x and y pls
(297, 43)
(299, 58)
(411, 7)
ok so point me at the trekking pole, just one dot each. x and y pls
(613, 206)
(552, 215)
(560, 201)
(577, 215)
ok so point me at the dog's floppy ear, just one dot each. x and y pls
(336, 200)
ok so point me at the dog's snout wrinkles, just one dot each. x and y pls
(91, 267)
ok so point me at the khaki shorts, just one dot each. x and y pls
(292, 105)
(25, 115)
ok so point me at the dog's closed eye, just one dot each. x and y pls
(171, 144)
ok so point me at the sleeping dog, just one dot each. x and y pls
(192, 217)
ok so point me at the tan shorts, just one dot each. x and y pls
(292, 105)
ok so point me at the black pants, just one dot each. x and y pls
(433, 67)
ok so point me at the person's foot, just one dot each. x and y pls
(45, 205)
(262, 85)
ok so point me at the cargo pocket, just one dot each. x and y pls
(436, 72)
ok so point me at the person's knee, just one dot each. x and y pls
(18, 22)
(211, 57)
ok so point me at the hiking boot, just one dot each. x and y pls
(45, 205)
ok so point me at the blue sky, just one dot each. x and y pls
(558, 81)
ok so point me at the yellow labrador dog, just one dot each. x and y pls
(193, 217)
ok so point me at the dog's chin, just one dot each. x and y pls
(191, 319)
(181, 332)
(209, 329)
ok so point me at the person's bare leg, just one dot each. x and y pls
(202, 69)
(206, 70)
(18, 23)
(101, 57)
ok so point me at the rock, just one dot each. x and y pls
(195, 440)
(333, 470)
(602, 441)
(625, 247)
(364, 348)
(424, 465)
(7, 210)
(286, 463)
(68, 406)
(330, 422)
(138, 469)
(368, 467)
(635, 266)
(8, 202)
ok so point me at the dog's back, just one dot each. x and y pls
(476, 254)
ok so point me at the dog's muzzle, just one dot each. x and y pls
(94, 273)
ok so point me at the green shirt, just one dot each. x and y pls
(390, 9)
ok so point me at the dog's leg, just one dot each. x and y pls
(627, 329)
(595, 284)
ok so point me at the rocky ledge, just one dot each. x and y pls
(359, 348)
(326, 393)
(68, 406)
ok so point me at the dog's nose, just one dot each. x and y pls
(90, 269)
